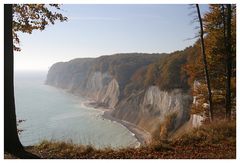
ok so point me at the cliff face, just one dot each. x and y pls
(150, 107)
(102, 88)
(120, 82)
(162, 104)
(69, 75)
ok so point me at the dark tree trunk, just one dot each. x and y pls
(228, 62)
(205, 65)
(225, 45)
(11, 140)
(12, 143)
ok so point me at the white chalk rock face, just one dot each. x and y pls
(111, 95)
(196, 120)
(103, 88)
(96, 81)
(164, 103)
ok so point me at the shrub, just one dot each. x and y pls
(212, 133)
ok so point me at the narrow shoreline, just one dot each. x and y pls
(141, 135)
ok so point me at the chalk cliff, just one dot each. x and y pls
(140, 88)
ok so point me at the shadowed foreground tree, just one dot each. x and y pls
(23, 18)
(205, 64)
(229, 60)
(220, 49)
(220, 27)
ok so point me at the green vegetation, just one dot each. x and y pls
(137, 71)
(168, 73)
(123, 66)
(133, 71)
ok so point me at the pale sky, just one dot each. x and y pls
(95, 30)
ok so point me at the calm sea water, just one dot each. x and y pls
(53, 114)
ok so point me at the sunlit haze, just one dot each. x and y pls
(95, 30)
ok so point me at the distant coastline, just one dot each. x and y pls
(142, 136)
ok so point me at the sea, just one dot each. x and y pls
(48, 113)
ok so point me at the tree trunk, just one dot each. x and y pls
(226, 53)
(12, 143)
(228, 62)
(205, 65)
(11, 140)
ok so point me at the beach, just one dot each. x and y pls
(140, 134)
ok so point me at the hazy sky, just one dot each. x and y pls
(95, 30)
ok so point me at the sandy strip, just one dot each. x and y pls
(141, 135)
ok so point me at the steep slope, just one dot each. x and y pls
(143, 89)
(69, 75)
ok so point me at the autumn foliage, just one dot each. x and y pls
(215, 28)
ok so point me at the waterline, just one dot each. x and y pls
(54, 114)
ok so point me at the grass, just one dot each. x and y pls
(214, 133)
(217, 140)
